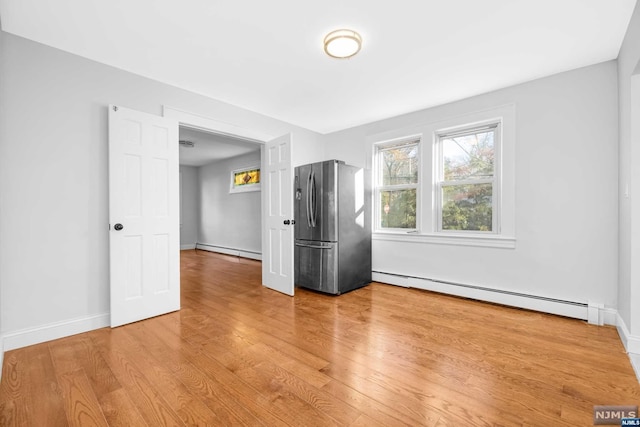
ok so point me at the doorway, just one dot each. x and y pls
(276, 193)
(220, 201)
(144, 182)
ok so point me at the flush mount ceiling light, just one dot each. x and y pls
(342, 43)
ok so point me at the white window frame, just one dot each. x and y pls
(379, 148)
(439, 181)
(427, 215)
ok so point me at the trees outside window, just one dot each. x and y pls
(466, 186)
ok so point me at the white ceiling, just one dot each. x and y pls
(267, 56)
(210, 147)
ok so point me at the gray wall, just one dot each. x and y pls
(229, 220)
(189, 206)
(2, 107)
(566, 191)
(54, 258)
(629, 176)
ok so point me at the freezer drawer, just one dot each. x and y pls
(317, 265)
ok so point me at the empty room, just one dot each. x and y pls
(297, 214)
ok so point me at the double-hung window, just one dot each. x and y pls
(397, 184)
(448, 181)
(466, 185)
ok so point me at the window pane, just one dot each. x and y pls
(467, 207)
(400, 165)
(398, 209)
(468, 156)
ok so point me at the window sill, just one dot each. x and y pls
(492, 241)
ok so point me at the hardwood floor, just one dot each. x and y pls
(240, 354)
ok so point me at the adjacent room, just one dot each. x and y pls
(156, 159)
(215, 214)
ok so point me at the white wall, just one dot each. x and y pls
(229, 220)
(629, 176)
(53, 136)
(189, 206)
(566, 191)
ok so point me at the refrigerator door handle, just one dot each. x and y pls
(305, 245)
(313, 199)
(309, 200)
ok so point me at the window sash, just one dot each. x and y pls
(411, 142)
(441, 204)
(466, 182)
(397, 187)
(379, 187)
(394, 146)
(468, 131)
(379, 209)
(440, 184)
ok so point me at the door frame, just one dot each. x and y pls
(198, 122)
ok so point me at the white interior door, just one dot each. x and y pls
(143, 215)
(277, 193)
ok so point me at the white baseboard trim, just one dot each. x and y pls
(609, 316)
(53, 331)
(545, 305)
(187, 247)
(631, 344)
(390, 279)
(229, 251)
(635, 364)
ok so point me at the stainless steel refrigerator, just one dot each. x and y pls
(333, 227)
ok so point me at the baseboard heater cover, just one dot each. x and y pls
(557, 306)
(230, 251)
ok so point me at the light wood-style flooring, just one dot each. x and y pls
(241, 354)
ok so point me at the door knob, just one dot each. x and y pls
(287, 222)
(118, 227)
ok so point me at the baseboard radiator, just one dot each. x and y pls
(229, 251)
(594, 313)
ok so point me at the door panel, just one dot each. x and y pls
(143, 199)
(133, 186)
(133, 272)
(160, 185)
(161, 256)
(277, 243)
